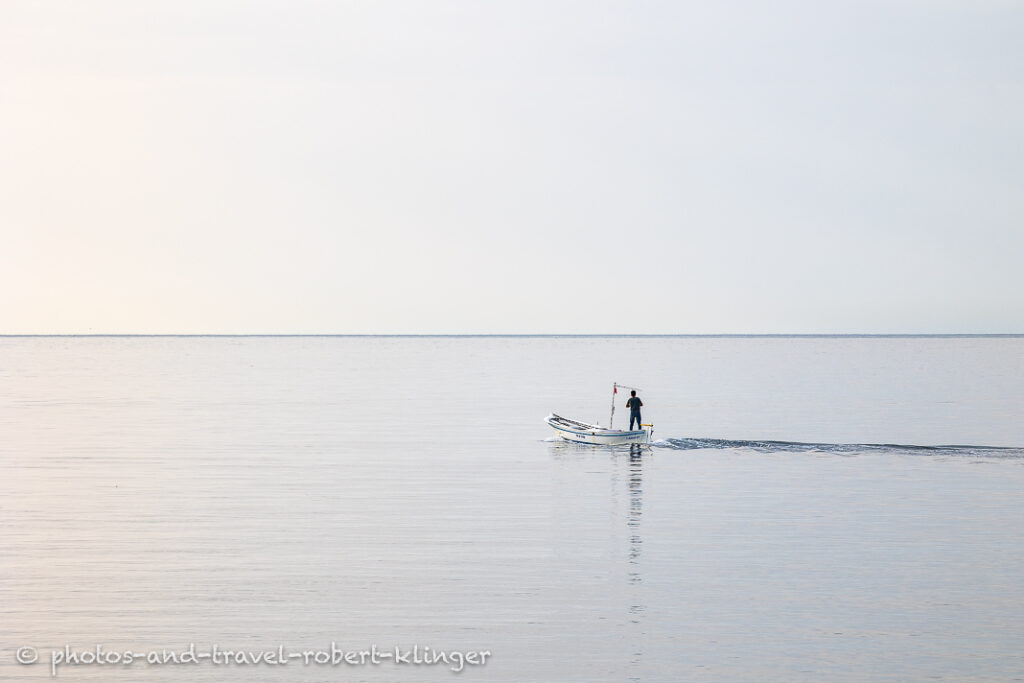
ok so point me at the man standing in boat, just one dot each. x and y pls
(634, 404)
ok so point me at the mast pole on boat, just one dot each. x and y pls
(615, 390)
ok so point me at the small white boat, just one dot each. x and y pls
(582, 432)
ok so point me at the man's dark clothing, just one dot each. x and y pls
(634, 404)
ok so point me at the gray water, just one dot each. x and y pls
(814, 508)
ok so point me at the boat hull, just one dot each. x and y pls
(580, 432)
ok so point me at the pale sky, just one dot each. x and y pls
(511, 167)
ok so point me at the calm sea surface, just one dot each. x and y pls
(289, 492)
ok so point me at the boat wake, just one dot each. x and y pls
(839, 448)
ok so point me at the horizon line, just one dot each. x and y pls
(530, 335)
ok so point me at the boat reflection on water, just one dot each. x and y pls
(633, 520)
(623, 465)
(636, 509)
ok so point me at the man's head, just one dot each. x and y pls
(632, 393)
